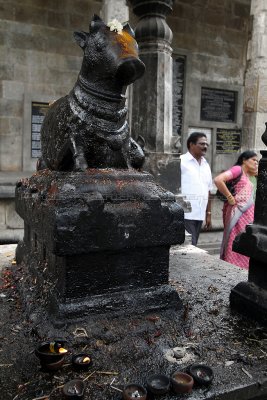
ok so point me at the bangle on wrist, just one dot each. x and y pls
(208, 212)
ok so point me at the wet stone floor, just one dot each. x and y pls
(130, 348)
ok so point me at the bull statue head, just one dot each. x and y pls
(110, 54)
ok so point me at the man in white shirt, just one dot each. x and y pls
(196, 183)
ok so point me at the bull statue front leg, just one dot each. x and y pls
(80, 163)
(71, 156)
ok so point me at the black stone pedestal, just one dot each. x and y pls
(97, 241)
(250, 298)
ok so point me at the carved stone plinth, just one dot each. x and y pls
(97, 241)
(250, 298)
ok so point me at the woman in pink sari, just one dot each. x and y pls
(238, 210)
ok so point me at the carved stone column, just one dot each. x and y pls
(250, 298)
(152, 95)
(255, 93)
(114, 9)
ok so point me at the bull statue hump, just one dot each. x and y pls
(88, 127)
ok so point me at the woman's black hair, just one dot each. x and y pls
(245, 156)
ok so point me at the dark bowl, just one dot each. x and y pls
(78, 363)
(158, 384)
(202, 374)
(74, 389)
(53, 366)
(182, 382)
(129, 391)
(46, 356)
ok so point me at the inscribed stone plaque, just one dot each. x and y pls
(178, 93)
(38, 113)
(218, 105)
(228, 141)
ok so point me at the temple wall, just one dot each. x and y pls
(40, 62)
(213, 37)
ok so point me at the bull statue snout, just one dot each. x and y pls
(130, 70)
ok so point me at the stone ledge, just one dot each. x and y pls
(135, 345)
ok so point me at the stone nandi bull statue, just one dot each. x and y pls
(88, 127)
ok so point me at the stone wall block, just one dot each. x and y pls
(263, 46)
(12, 108)
(241, 9)
(10, 153)
(26, 42)
(52, 5)
(9, 125)
(29, 13)
(248, 132)
(13, 90)
(58, 19)
(237, 23)
(13, 220)
(249, 50)
(63, 62)
(79, 22)
(2, 214)
(250, 94)
(257, 6)
(7, 10)
(262, 97)
(259, 22)
(6, 71)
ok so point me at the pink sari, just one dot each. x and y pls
(235, 218)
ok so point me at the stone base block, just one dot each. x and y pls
(250, 300)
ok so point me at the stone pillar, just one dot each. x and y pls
(255, 94)
(250, 298)
(152, 95)
(114, 9)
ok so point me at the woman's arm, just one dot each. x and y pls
(220, 183)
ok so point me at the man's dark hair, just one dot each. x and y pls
(193, 138)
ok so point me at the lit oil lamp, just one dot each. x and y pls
(82, 360)
(51, 354)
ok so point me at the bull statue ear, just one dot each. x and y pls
(81, 38)
(127, 28)
(96, 23)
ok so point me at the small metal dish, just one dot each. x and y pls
(202, 374)
(182, 382)
(158, 384)
(54, 366)
(74, 389)
(134, 391)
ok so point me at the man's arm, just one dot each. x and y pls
(208, 214)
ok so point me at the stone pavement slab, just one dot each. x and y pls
(132, 347)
